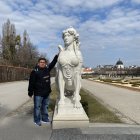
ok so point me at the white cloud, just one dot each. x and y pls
(136, 1)
(119, 33)
(84, 4)
(5, 9)
(41, 23)
(45, 20)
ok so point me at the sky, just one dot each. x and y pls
(109, 29)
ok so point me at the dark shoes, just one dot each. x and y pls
(38, 124)
(45, 122)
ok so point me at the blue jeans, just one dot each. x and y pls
(41, 108)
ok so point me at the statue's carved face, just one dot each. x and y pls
(68, 39)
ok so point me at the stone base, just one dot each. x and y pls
(66, 116)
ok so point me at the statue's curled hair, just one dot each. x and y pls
(73, 32)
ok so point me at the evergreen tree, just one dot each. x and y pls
(8, 41)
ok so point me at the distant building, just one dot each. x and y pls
(133, 66)
(108, 66)
(87, 70)
(119, 64)
(112, 70)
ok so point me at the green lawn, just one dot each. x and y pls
(95, 110)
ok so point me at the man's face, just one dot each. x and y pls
(42, 64)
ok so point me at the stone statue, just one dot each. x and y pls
(69, 112)
(69, 67)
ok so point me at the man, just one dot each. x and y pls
(40, 87)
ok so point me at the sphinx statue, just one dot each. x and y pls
(69, 112)
(69, 66)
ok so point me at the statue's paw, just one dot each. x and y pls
(77, 97)
(77, 105)
(61, 102)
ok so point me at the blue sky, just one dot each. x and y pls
(109, 29)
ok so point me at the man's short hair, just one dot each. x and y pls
(42, 58)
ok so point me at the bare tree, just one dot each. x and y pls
(0, 48)
(27, 54)
(17, 50)
(8, 41)
(25, 38)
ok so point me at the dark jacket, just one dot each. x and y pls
(39, 82)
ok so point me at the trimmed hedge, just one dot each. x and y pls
(11, 73)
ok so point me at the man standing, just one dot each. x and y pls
(40, 87)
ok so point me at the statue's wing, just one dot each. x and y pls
(60, 48)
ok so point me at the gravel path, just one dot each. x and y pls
(19, 123)
(12, 95)
(125, 101)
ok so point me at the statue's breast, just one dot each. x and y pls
(68, 57)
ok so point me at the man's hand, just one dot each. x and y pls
(30, 94)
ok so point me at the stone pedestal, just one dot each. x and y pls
(66, 116)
